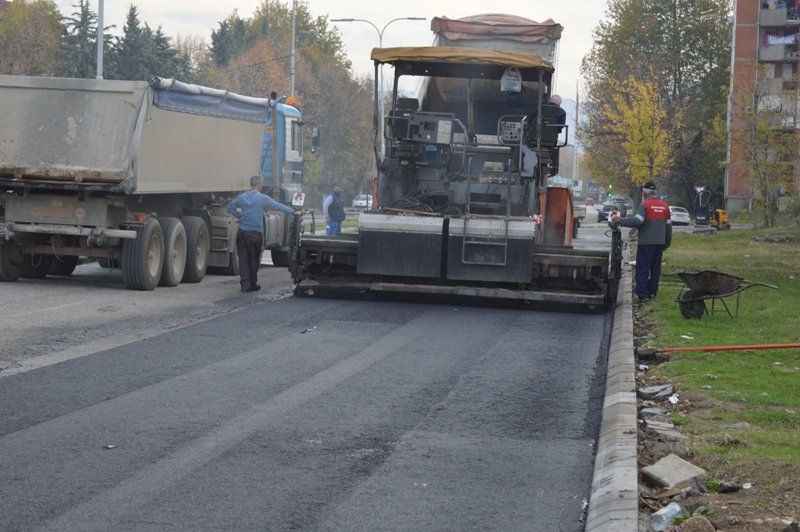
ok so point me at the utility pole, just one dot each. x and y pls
(575, 165)
(291, 70)
(99, 73)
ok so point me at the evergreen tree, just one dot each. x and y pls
(231, 40)
(131, 51)
(80, 42)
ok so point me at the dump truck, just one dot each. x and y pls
(461, 209)
(137, 175)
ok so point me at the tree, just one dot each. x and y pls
(196, 58)
(230, 40)
(638, 119)
(325, 89)
(683, 45)
(131, 51)
(764, 137)
(141, 53)
(80, 42)
(29, 39)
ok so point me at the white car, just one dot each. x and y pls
(362, 202)
(680, 216)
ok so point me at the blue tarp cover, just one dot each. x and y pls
(173, 95)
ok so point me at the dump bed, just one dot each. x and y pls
(127, 136)
(68, 130)
(505, 33)
(517, 41)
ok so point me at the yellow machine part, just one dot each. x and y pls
(720, 220)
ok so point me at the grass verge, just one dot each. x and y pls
(725, 388)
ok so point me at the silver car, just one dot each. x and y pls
(362, 202)
(680, 216)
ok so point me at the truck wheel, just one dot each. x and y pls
(143, 257)
(11, 262)
(174, 251)
(280, 258)
(64, 265)
(575, 225)
(233, 265)
(197, 246)
(36, 266)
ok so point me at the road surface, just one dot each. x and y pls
(267, 412)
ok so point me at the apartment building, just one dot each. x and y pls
(4, 6)
(764, 70)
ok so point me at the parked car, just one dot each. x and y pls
(680, 216)
(362, 202)
(589, 202)
(624, 201)
(605, 210)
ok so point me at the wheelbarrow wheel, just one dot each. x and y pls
(692, 310)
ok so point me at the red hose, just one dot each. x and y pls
(733, 347)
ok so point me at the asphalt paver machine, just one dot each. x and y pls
(461, 209)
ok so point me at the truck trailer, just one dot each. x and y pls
(462, 210)
(137, 175)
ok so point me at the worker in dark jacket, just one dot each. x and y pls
(248, 209)
(554, 101)
(655, 235)
(333, 207)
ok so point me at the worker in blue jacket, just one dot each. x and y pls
(655, 235)
(333, 207)
(248, 209)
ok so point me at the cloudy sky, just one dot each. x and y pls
(199, 17)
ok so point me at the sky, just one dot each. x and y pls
(199, 17)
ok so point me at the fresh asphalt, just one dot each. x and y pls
(306, 414)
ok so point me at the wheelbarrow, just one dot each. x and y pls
(700, 285)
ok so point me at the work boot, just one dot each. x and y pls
(254, 288)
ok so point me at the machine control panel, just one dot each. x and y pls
(425, 128)
(510, 131)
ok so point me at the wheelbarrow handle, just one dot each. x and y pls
(762, 284)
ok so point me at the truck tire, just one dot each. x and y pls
(280, 258)
(64, 265)
(143, 257)
(174, 251)
(233, 265)
(197, 246)
(575, 225)
(36, 266)
(12, 261)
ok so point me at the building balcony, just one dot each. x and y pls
(777, 52)
(773, 17)
(777, 86)
(771, 86)
(779, 17)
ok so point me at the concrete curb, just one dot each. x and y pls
(614, 500)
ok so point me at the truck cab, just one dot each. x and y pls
(290, 152)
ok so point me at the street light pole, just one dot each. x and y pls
(380, 76)
(294, 16)
(99, 73)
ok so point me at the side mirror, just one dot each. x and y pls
(316, 140)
